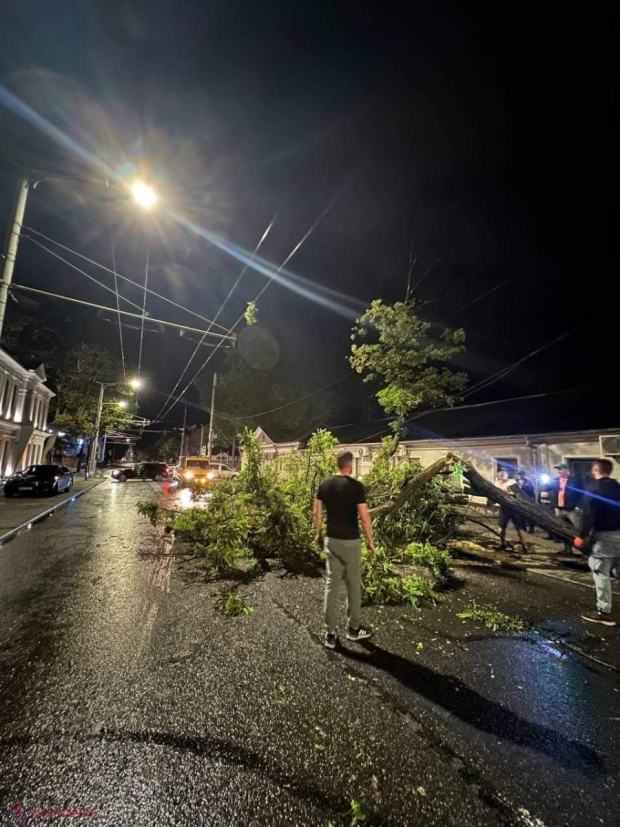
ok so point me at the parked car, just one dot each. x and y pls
(145, 471)
(39, 479)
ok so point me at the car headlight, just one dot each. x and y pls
(189, 475)
(211, 475)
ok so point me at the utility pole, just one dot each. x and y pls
(95, 446)
(210, 449)
(183, 436)
(12, 243)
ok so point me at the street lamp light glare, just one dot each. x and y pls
(143, 195)
(122, 403)
(135, 384)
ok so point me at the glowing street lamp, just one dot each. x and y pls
(144, 195)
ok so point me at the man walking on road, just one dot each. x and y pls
(345, 503)
(601, 519)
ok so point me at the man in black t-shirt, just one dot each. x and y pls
(345, 502)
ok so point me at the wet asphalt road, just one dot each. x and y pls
(121, 690)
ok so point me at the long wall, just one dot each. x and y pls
(537, 453)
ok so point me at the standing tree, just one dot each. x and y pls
(406, 360)
(77, 391)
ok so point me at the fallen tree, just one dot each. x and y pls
(518, 501)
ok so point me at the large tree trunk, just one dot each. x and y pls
(412, 486)
(519, 503)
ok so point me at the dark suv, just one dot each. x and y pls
(144, 471)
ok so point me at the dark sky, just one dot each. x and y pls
(477, 133)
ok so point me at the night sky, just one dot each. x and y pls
(477, 134)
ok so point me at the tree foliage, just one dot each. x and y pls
(393, 346)
(265, 514)
(427, 516)
(77, 391)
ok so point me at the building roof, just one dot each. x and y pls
(525, 417)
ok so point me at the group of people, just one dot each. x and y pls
(562, 496)
(595, 513)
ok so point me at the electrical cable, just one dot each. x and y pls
(491, 379)
(301, 398)
(78, 270)
(421, 279)
(295, 249)
(230, 292)
(505, 371)
(479, 298)
(223, 338)
(124, 278)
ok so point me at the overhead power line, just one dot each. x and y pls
(491, 380)
(79, 270)
(223, 338)
(125, 278)
(483, 296)
(230, 292)
(295, 249)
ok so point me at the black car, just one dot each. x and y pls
(145, 471)
(39, 479)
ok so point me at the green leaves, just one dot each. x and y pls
(492, 618)
(234, 605)
(406, 358)
(251, 313)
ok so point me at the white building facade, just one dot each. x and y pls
(537, 454)
(24, 408)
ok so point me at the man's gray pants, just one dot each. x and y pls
(604, 564)
(343, 556)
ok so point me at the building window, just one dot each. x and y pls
(510, 464)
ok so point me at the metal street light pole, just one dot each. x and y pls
(12, 243)
(182, 454)
(210, 449)
(135, 383)
(93, 456)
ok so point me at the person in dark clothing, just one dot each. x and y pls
(601, 525)
(565, 498)
(506, 514)
(527, 486)
(344, 500)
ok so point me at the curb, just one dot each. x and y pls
(4, 538)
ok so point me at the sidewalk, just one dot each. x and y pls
(19, 512)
